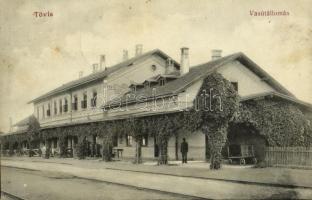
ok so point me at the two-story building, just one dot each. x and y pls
(151, 83)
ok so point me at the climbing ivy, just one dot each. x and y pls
(280, 122)
(216, 105)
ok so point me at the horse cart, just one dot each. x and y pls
(241, 153)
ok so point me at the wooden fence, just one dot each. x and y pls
(289, 157)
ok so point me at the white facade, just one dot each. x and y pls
(248, 82)
(109, 88)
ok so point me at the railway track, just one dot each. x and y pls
(9, 196)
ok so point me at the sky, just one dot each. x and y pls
(38, 54)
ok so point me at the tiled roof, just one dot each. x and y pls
(102, 74)
(197, 72)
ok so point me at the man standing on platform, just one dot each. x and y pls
(184, 150)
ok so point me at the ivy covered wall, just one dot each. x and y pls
(280, 122)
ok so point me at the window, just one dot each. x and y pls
(144, 141)
(235, 85)
(55, 108)
(48, 110)
(37, 112)
(75, 103)
(60, 106)
(84, 101)
(153, 67)
(169, 62)
(162, 82)
(133, 88)
(93, 100)
(129, 140)
(65, 105)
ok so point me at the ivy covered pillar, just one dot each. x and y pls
(107, 147)
(163, 150)
(81, 147)
(217, 137)
(136, 127)
(216, 104)
(62, 146)
(19, 148)
(30, 144)
(138, 149)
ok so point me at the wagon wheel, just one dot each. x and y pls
(254, 160)
(242, 161)
(230, 161)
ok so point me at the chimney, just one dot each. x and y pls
(102, 62)
(80, 74)
(95, 67)
(138, 49)
(216, 54)
(125, 55)
(185, 62)
(169, 65)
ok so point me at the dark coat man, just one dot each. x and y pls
(184, 150)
